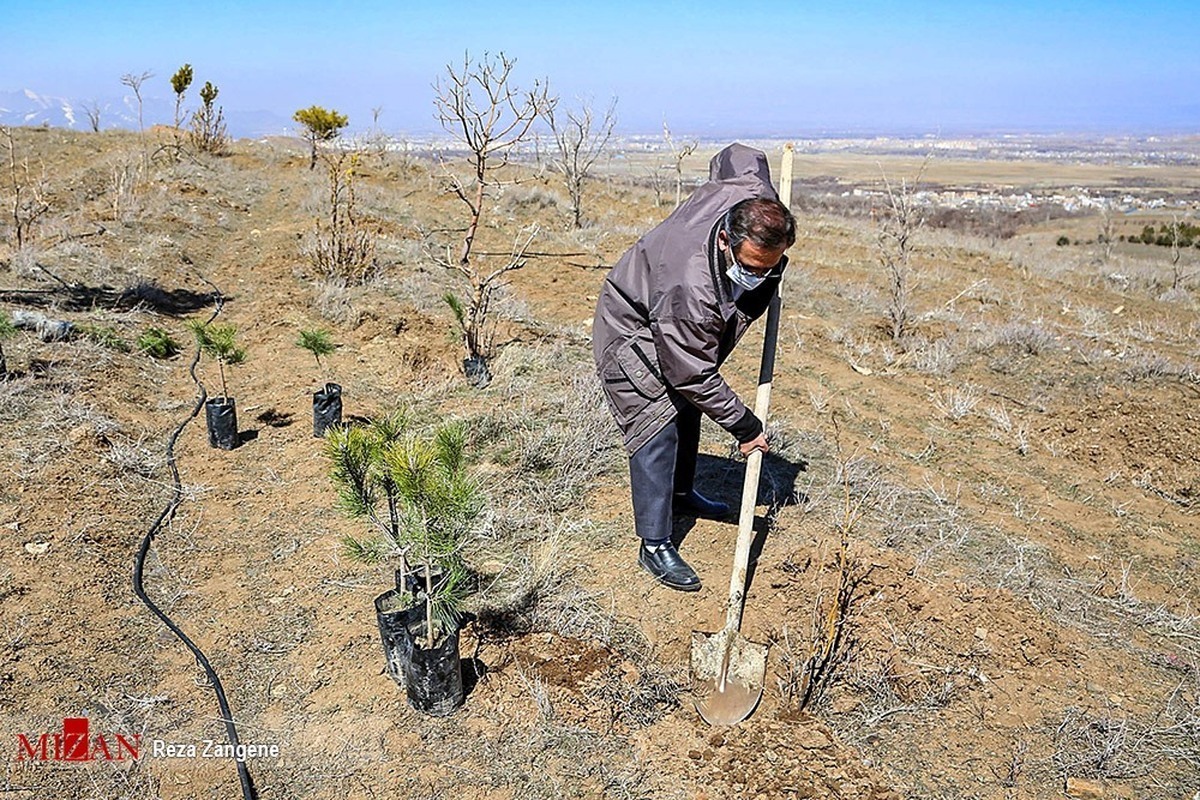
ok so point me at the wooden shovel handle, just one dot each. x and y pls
(762, 403)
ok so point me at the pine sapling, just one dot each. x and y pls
(319, 342)
(364, 484)
(219, 342)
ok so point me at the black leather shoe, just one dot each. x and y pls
(694, 504)
(668, 567)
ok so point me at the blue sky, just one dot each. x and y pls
(739, 67)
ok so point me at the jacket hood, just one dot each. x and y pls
(739, 161)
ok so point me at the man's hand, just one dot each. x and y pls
(755, 444)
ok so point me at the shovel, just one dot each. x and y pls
(728, 669)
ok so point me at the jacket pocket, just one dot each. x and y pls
(631, 378)
(638, 359)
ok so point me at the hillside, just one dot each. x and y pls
(1000, 506)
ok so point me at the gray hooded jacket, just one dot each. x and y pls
(666, 319)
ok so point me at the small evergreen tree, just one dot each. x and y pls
(208, 123)
(219, 342)
(320, 125)
(319, 342)
(180, 82)
(432, 505)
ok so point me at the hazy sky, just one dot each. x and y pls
(740, 66)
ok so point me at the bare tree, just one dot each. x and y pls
(479, 106)
(679, 151)
(901, 221)
(1176, 233)
(656, 184)
(92, 110)
(1105, 237)
(580, 139)
(28, 195)
(135, 82)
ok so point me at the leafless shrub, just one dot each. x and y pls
(561, 445)
(528, 198)
(331, 299)
(92, 110)
(901, 221)
(1005, 429)
(889, 685)
(536, 687)
(938, 358)
(28, 192)
(956, 402)
(1099, 746)
(1010, 776)
(1145, 331)
(819, 400)
(1092, 319)
(16, 398)
(133, 464)
(1028, 338)
(341, 245)
(1141, 365)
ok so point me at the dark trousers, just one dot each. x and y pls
(663, 466)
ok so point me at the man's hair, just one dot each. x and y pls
(763, 221)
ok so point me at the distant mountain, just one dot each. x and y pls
(26, 107)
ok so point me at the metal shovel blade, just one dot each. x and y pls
(727, 675)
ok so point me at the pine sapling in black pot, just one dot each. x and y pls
(220, 343)
(438, 504)
(327, 403)
(366, 490)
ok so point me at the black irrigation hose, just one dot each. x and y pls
(139, 564)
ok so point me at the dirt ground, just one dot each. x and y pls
(995, 514)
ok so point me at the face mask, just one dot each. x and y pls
(741, 276)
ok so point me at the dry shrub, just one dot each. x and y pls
(341, 245)
(1027, 338)
(332, 300)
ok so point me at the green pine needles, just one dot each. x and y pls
(319, 342)
(218, 342)
(422, 504)
(157, 343)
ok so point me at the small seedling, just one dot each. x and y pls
(157, 343)
(105, 336)
(219, 342)
(319, 342)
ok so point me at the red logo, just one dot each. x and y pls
(75, 744)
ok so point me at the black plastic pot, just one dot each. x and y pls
(327, 409)
(432, 678)
(221, 415)
(477, 372)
